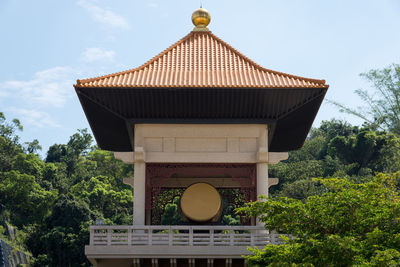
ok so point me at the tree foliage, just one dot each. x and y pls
(51, 203)
(26, 200)
(9, 141)
(171, 214)
(336, 149)
(382, 106)
(352, 224)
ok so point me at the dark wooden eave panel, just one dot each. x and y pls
(291, 131)
(108, 128)
(292, 110)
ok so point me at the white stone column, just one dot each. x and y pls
(139, 188)
(262, 179)
(262, 182)
(262, 167)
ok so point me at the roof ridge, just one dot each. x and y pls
(261, 67)
(148, 62)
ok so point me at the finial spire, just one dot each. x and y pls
(201, 18)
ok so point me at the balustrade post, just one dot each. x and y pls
(109, 231)
(129, 235)
(91, 236)
(252, 232)
(150, 236)
(170, 236)
(272, 238)
(191, 236)
(212, 236)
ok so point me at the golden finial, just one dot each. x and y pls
(201, 18)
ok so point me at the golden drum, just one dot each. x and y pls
(201, 202)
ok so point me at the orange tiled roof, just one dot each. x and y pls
(201, 59)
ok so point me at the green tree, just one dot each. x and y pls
(329, 130)
(33, 147)
(79, 144)
(69, 212)
(28, 202)
(9, 142)
(302, 189)
(51, 204)
(351, 225)
(104, 199)
(171, 214)
(29, 164)
(293, 171)
(336, 148)
(56, 152)
(8, 130)
(382, 107)
(103, 163)
(310, 151)
(55, 175)
(59, 241)
(377, 151)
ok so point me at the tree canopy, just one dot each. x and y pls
(351, 224)
(52, 202)
(382, 106)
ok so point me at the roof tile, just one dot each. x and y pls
(201, 59)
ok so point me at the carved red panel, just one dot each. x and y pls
(158, 174)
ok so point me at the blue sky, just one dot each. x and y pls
(46, 45)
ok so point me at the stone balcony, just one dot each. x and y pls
(174, 245)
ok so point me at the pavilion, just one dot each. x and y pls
(200, 117)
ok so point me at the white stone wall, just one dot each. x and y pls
(198, 143)
(201, 142)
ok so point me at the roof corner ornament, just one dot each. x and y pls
(201, 18)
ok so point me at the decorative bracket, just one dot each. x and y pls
(276, 157)
(126, 157)
(128, 181)
(272, 181)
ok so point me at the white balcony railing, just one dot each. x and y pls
(154, 235)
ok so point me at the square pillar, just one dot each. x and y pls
(262, 179)
(262, 183)
(262, 167)
(262, 164)
(139, 188)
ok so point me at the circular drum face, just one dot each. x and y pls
(201, 202)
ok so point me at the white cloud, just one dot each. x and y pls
(35, 117)
(3, 93)
(152, 5)
(49, 87)
(46, 90)
(97, 54)
(104, 16)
